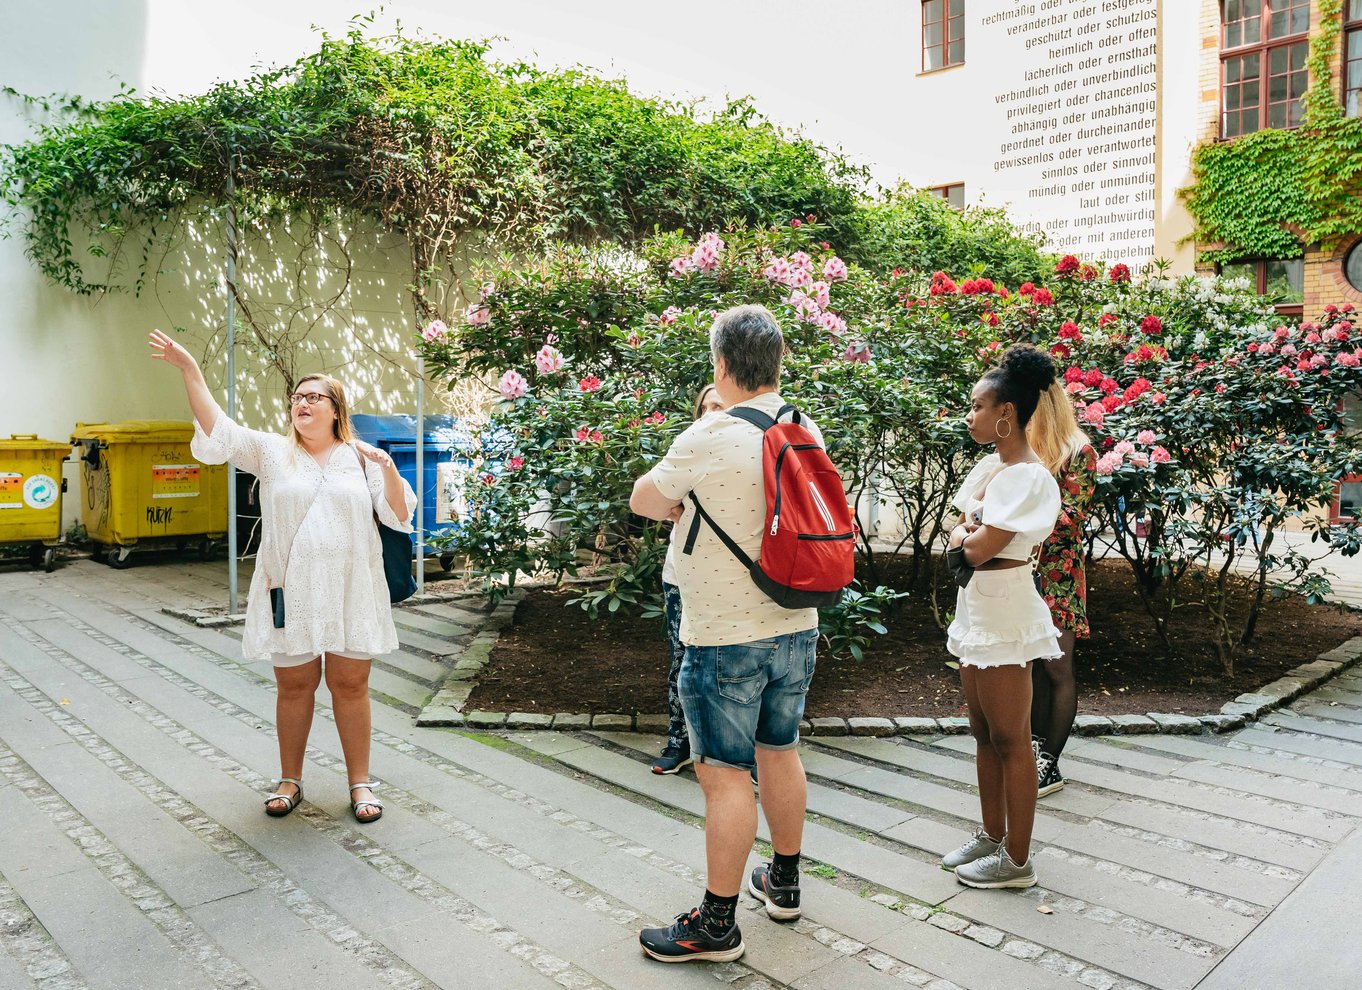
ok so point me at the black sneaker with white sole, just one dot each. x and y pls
(782, 902)
(673, 758)
(686, 940)
(1048, 777)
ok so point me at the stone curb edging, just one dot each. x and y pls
(445, 709)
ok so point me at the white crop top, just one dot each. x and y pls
(1019, 498)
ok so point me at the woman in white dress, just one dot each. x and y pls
(1010, 502)
(320, 553)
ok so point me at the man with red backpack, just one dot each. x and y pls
(767, 537)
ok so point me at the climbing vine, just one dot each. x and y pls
(431, 140)
(1266, 194)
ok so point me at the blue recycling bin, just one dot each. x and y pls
(448, 456)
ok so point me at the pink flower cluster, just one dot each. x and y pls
(704, 257)
(585, 434)
(436, 330)
(513, 385)
(1125, 450)
(548, 360)
(589, 384)
(669, 315)
(478, 316)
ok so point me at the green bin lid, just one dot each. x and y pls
(135, 431)
(30, 441)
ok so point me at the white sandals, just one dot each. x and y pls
(355, 806)
(293, 800)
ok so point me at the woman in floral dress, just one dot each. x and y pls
(1062, 579)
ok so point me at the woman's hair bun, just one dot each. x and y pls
(1028, 366)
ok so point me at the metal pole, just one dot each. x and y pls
(420, 474)
(231, 388)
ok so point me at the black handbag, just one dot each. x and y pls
(956, 564)
(396, 553)
(396, 563)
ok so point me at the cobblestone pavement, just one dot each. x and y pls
(135, 750)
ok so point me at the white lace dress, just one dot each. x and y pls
(335, 595)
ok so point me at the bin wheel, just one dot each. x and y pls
(446, 562)
(119, 557)
(49, 559)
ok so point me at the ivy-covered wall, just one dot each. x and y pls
(1274, 193)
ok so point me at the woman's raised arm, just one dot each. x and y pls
(201, 402)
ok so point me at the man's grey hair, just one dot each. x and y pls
(749, 340)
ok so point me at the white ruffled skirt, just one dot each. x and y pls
(1000, 619)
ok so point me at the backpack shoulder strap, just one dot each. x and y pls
(756, 417)
(727, 541)
(794, 413)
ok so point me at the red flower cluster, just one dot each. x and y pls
(515, 463)
(942, 285)
(1043, 297)
(589, 384)
(1136, 389)
(1067, 265)
(1026, 288)
(1061, 351)
(1087, 273)
(976, 286)
(1106, 320)
(1068, 330)
(1145, 353)
(584, 434)
(1119, 273)
(1151, 325)
(990, 318)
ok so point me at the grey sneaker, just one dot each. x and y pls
(1048, 777)
(996, 870)
(978, 846)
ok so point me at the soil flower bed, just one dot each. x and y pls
(557, 659)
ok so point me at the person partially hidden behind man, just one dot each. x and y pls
(748, 661)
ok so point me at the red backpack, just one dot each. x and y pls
(808, 547)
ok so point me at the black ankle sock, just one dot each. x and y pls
(784, 869)
(718, 914)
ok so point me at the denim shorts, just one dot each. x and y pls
(746, 695)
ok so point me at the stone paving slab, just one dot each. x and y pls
(1161, 858)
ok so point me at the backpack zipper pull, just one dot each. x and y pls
(775, 522)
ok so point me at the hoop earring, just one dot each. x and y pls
(1001, 435)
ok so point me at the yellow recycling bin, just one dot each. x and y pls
(30, 495)
(141, 485)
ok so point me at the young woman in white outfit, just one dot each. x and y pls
(1010, 503)
(318, 499)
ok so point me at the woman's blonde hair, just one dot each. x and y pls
(1054, 432)
(700, 397)
(335, 391)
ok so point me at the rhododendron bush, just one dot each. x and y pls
(1214, 426)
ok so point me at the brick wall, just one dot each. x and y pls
(1324, 281)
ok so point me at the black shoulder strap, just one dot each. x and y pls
(794, 413)
(700, 513)
(756, 417)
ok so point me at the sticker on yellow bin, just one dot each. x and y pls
(11, 490)
(174, 481)
(40, 492)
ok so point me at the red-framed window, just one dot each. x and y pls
(1263, 48)
(1352, 58)
(1280, 279)
(943, 34)
(953, 193)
